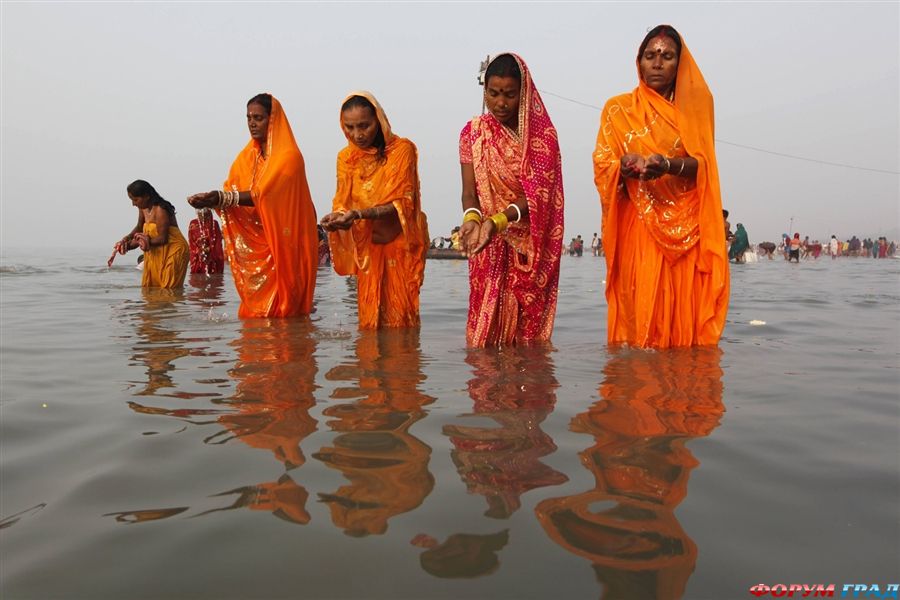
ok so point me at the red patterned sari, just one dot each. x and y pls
(513, 281)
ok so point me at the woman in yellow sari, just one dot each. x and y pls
(663, 234)
(166, 252)
(268, 218)
(377, 230)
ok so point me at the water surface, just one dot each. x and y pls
(152, 445)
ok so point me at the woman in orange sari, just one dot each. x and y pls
(378, 231)
(663, 234)
(166, 252)
(512, 200)
(268, 218)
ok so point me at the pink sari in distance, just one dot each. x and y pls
(513, 281)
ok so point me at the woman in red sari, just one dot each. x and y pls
(268, 218)
(512, 203)
(663, 230)
(205, 239)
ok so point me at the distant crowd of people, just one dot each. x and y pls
(795, 249)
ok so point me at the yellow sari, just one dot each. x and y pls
(165, 266)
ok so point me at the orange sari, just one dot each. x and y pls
(667, 277)
(389, 276)
(272, 246)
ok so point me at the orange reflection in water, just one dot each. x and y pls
(651, 404)
(386, 466)
(274, 389)
(516, 388)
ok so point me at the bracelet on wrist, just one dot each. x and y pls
(472, 216)
(501, 221)
(518, 211)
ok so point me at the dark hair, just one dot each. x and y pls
(504, 65)
(666, 30)
(264, 100)
(363, 102)
(141, 188)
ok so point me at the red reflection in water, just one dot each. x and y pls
(514, 387)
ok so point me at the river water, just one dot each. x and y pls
(153, 445)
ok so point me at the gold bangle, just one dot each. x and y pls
(501, 221)
(471, 216)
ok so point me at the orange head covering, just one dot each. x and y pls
(379, 114)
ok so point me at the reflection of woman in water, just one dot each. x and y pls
(386, 467)
(517, 389)
(275, 379)
(158, 346)
(652, 403)
(462, 555)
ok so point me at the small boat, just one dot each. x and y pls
(444, 253)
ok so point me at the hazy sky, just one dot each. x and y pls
(95, 95)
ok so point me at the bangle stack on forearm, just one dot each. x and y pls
(228, 198)
(501, 221)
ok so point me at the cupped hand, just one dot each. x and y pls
(204, 199)
(468, 237)
(485, 233)
(632, 165)
(338, 220)
(142, 240)
(655, 166)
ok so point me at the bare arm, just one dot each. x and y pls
(128, 242)
(470, 230)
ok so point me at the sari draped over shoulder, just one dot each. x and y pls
(389, 276)
(513, 281)
(272, 247)
(667, 278)
(165, 266)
